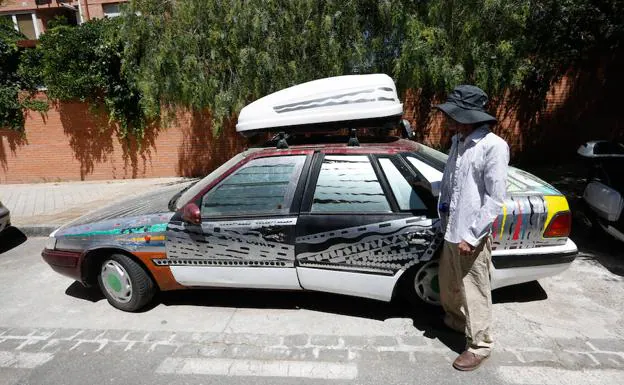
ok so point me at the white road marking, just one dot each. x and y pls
(553, 376)
(23, 360)
(258, 368)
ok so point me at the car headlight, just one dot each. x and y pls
(50, 243)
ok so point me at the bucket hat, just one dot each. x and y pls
(466, 105)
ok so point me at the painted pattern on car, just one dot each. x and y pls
(260, 242)
(385, 247)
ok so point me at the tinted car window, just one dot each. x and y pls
(404, 193)
(348, 184)
(262, 186)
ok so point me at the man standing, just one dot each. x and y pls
(472, 193)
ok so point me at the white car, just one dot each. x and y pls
(339, 214)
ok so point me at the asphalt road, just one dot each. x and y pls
(567, 329)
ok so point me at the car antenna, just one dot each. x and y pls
(353, 140)
(281, 143)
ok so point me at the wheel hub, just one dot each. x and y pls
(116, 281)
(426, 283)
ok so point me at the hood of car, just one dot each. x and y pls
(128, 215)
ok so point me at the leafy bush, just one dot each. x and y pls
(85, 63)
(17, 90)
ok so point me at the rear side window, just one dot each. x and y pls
(262, 186)
(348, 184)
(404, 193)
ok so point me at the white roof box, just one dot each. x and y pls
(341, 102)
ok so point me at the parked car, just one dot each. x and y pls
(340, 214)
(5, 217)
(605, 185)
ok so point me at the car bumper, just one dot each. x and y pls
(67, 263)
(539, 256)
(516, 266)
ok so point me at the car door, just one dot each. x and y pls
(362, 223)
(247, 231)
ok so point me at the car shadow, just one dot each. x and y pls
(425, 318)
(524, 292)
(601, 248)
(78, 290)
(10, 238)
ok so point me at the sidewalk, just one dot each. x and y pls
(38, 209)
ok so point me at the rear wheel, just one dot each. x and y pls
(421, 284)
(124, 283)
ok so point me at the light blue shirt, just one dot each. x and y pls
(474, 185)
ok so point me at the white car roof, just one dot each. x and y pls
(337, 99)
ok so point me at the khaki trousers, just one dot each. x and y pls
(466, 294)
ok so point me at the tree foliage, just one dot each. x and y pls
(449, 42)
(17, 89)
(85, 63)
(222, 54)
(218, 55)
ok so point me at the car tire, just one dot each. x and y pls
(124, 283)
(421, 286)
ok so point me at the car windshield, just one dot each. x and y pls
(186, 195)
(438, 158)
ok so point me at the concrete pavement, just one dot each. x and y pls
(567, 329)
(37, 209)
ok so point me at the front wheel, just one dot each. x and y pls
(421, 284)
(124, 283)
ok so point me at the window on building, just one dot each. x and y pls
(348, 184)
(26, 23)
(111, 10)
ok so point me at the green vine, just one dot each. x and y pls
(17, 89)
(85, 63)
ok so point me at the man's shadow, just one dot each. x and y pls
(429, 319)
(426, 318)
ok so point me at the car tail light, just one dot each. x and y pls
(560, 225)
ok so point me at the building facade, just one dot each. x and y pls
(31, 17)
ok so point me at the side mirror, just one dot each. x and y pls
(191, 214)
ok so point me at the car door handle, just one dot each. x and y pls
(414, 238)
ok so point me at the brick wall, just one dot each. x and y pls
(71, 143)
(511, 125)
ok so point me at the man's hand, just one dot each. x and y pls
(465, 248)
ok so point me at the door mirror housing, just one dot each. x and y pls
(191, 214)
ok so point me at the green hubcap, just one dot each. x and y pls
(114, 282)
(435, 285)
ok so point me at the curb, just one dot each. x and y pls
(37, 230)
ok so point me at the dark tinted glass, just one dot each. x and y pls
(348, 184)
(261, 186)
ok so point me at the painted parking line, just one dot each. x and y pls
(23, 360)
(258, 368)
(554, 376)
